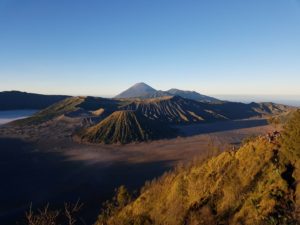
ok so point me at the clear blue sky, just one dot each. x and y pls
(101, 47)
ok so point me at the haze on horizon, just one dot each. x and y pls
(103, 47)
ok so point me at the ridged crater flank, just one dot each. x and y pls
(124, 127)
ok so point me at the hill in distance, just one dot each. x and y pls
(16, 100)
(168, 109)
(178, 110)
(257, 184)
(137, 90)
(192, 95)
(124, 127)
(109, 125)
(173, 110)
(144, 91)
(75, 107)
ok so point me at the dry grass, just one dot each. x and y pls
(253, 185)
(45, 216)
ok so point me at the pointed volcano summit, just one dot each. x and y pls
(137, 90)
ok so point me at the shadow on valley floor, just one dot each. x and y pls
(38, 177)
(196, 129)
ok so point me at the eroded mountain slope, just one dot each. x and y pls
(178, 110)
(124, 127)
(74, 107)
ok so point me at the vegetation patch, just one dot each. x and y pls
(254, 185)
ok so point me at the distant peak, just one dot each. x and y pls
(141, 84)
(173, 89)
(137, 90)
(179, 90)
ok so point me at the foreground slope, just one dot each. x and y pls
(124, 127)
(255, 185)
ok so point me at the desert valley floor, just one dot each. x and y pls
(61, 170)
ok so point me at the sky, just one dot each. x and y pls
(101, 47)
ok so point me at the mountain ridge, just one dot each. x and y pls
(15, 100)
(193, 95)
(144, 91)
(168, 109)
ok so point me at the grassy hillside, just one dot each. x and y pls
(124, 127)
(255, 185)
